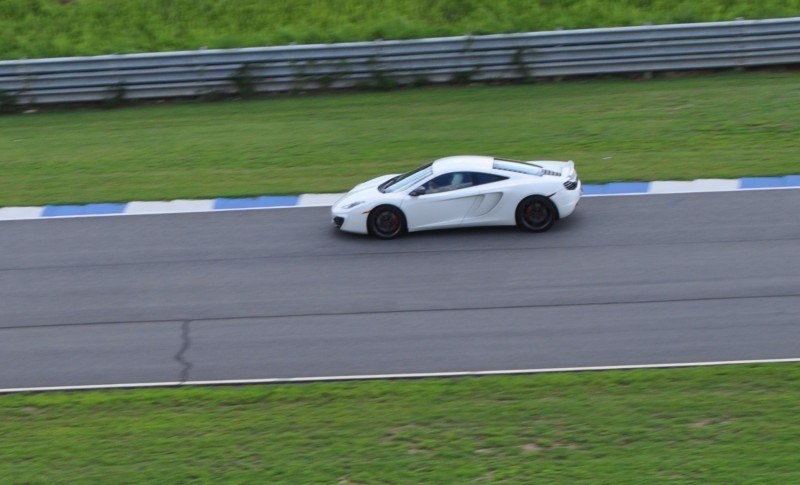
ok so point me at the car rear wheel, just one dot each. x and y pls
(386, 222)
(536, 213)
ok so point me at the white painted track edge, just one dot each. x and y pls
(692, 192)
(369, 377)
(235, 209)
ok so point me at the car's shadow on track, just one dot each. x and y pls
(463, 234)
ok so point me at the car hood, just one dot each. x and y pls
(370, 184)
(366, 191)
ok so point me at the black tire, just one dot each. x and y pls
(386, 222)
(536, 213)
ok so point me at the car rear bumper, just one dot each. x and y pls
(567, 200)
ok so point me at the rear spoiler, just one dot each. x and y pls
(569, 170)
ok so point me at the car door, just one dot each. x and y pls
(442, 201)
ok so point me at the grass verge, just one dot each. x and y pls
(52, 28)
(733, 424)
(726, 126)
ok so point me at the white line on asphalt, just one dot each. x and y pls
(687, 193)
(369, 377)
(12, 213)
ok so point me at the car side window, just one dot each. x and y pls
(448, 181)
(479, 178)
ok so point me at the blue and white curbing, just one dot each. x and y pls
(318, 200)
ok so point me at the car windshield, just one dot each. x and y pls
(407, 180)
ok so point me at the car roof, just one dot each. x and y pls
(462, 162)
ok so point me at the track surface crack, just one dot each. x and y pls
(186, 342)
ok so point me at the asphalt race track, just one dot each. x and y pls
(281, 293)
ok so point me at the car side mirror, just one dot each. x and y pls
(417, 192)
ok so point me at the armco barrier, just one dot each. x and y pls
(743, 43)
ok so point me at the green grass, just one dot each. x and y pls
(708, 425)
(725, 126)
(53, 28)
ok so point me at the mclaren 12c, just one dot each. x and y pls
(461, 191)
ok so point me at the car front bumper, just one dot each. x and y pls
(350, 220)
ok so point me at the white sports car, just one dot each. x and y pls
(461, 191)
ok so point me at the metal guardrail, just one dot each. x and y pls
(716, 45)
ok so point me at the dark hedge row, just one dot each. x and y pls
(53, 28)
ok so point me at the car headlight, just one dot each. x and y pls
(352, 204)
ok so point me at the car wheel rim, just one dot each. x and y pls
(535, 214)
(387, 223)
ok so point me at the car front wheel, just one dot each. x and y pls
(386, 222)
(536, 213)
